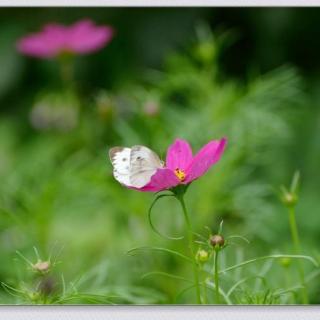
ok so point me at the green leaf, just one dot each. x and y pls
(275, 256)
(178, 254)
(169, 275)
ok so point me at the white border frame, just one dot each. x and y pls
(91, 312)
(160, 312)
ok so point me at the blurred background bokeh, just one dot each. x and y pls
(251, 75)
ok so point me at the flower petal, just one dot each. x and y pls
(161, 180)
(179, 155)
(44, 44)
(205, 158)
(85, 37)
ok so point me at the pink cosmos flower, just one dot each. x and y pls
(140, 168)
(80, 38)
(182, 167)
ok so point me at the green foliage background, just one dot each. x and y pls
(251, 75)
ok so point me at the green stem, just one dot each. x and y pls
(190, 239)
(216, 275)
(297, 248)
(205, 295)
(66, 65)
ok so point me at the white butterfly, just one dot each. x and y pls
(134, 166)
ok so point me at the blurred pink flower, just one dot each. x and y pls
(80, 38)
(182, 167)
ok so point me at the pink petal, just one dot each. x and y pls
(32, 46)
(179, 155)
(205, 158)
(85, 37)
(45, 44)
(161, 180)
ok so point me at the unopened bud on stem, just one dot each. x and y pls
(217, 241)
(285, 262)
(202, 256)
(42, 266)
(289, 199)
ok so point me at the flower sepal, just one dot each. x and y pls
(180, 190)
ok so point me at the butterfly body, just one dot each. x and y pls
(134, 166)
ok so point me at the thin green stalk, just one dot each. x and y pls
(191, 244)
(66, 65)
(297, 248)
(216, 275)
(205, 294)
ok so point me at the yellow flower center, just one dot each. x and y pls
(180, 174)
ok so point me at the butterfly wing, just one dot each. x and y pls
(143, 165)
(120, 159)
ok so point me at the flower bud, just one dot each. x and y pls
(206, 51)
(58, 111)
(289, 199)
(202, 256)
(42, 266)
(151, 108)
(105, 106)
(47, 286)
(217, 240)
(285, 262)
